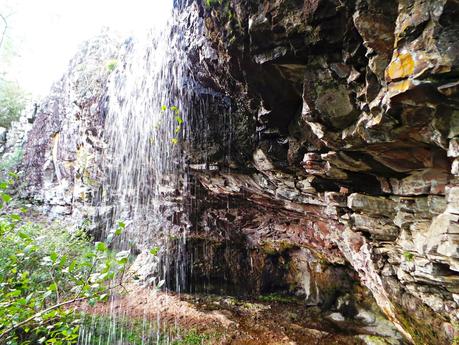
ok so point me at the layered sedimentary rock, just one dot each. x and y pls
(348, 113)
(62, 149)
(326, 152)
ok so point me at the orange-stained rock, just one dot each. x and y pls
(401, 66)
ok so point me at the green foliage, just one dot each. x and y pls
(408, 256)
(43, 272)
(455, 325)
(192, 338)
(103, 332)
(210, 3)
(178, 120)
(154, 251)
(10, 162)
(12, 102)
(136, 331)
(278, 298)
(111, 64)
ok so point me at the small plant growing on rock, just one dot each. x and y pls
(408, 256)
(210, 3)
(111, 64)
(178, 121)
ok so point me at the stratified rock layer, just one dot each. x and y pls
(64, 145)
(346, 115)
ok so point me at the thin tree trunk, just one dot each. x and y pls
(5, 22)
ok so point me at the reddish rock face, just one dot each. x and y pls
(370, 116)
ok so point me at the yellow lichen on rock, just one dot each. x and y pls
(401, 66)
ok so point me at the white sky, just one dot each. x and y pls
(47, 33)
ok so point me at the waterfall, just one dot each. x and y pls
(155, 116)
(156, 112)
(148, 100)
(145, 128)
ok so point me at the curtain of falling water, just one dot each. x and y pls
(148, 102)
(144, 127)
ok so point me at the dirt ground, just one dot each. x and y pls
(227, 320)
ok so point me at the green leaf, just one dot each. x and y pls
(63, 261)
(6, 198)
(90, 255)
(154, 251)
(53, 256)
(15, 293)
(23, 235)
(120, 228)
(179, 120)
(174, 141)
(72, 266)
(15, 217)
(101, 247)
(13, 174)
(163, 108)
(122, 257)
(111, 64)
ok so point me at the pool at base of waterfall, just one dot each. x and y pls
(145, 316)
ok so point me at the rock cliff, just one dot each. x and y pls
(344, 115)
(326, 154)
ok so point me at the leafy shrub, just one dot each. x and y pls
(43, 272)
(10, 162)
(192, 338)
(178, 120)
(138, 331)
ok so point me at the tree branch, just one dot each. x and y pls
(5, 22)
(22, 323)
(47, 310)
